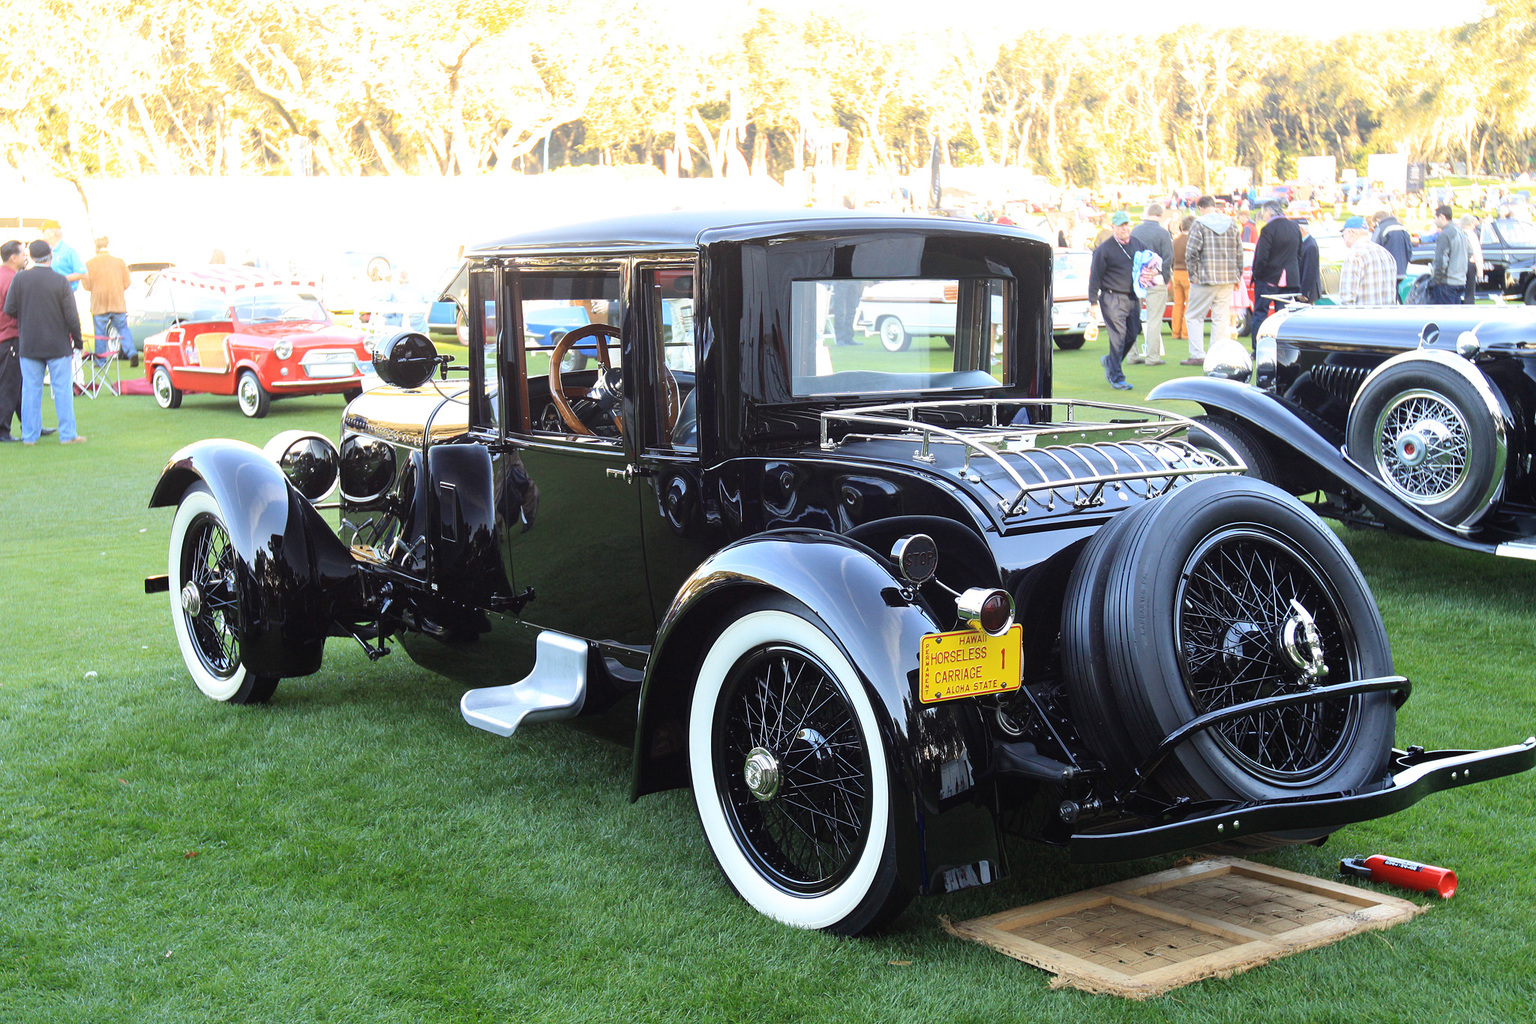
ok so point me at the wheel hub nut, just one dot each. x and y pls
(1413, 446)
(761, 773)
(191, 600)
(1302, 643)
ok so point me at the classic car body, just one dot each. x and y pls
(1509, 258)
(1412, 417)
(249, 333)
(878, 609)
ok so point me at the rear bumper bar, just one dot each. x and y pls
(1416, 774)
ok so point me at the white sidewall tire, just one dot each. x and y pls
(198, 501)
(751, 631)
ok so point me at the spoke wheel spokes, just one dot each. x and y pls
(809, 834)
(210, 567)
(1422, 446)
(1240, 590)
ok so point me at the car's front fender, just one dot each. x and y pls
(1292, 437)
(292, 574)
(945, 826)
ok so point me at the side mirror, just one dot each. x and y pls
(405, 360)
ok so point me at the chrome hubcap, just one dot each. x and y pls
(191, 600)
(761, 774)
(1302, 643)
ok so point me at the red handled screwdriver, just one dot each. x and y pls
(1404, 873)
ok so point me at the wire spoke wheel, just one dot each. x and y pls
(1422, 446)
(207, 613)
(793, 769)
(208, 601)
(1256, 619)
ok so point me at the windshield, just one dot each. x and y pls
(1516, 232)
(277, 305)
(871, 336)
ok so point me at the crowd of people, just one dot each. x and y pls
(1199, 265)
(40, 328)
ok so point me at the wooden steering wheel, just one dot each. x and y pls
(560, 395)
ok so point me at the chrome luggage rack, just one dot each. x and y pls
(1071, 459)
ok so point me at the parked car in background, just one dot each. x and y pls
(878, 609)
(1071, 322)
(1412, 417)
(1509, 258)
(244, 332)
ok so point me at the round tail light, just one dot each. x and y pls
(986, 609)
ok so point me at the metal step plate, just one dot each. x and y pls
(555, 689)
(1517, 549)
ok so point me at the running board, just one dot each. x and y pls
(555, 689)
(1517, 549)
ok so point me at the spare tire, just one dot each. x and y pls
(1225, 591)
(1424, 430)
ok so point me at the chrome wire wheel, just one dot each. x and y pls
(208, 600)
(1257, 618)
(1422, 446)
(793, 770)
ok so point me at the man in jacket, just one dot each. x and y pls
(1448, 272)
(1151, 235)
(1213, 255)
(48, 325)
(1310, 283)
(1276, 262)
(1391, 235)
(106, 278)
(1112, 290)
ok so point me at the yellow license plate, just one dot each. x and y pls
(967, 663)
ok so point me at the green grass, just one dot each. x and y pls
(354, 852)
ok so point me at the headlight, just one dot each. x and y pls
(283, 349)
(367, 468)
(1230, 360)
(309, 461)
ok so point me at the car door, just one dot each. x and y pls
(571, 534)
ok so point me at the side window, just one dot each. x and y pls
(586, 401)
(481, 294)
(669, 293)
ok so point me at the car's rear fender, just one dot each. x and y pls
(945, 823)
(1292, 437)
(293, 576)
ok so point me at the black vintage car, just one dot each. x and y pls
(1509, 258)
(877, 608)
(1417, 418)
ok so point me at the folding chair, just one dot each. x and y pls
(93, 376)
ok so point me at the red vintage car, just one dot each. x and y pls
(250, 333)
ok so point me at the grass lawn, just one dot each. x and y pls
(354, 852)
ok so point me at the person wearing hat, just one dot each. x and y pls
(48, 326)
(1369, 274)
(1112, 294)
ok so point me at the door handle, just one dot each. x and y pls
(629, 472)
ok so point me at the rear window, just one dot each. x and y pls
(881, 336)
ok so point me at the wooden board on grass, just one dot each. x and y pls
(1213, 918)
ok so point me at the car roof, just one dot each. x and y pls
(222, 278)
(682, 229)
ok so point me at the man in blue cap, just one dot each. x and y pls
(1369, 274)
(1112, 294)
